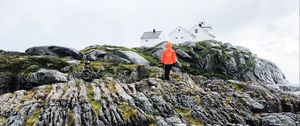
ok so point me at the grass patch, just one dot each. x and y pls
(90, 94)
(77, 84)
(32, 119)
(70, 118)
(184, 48)
(187, 114)
(78, 67)
(28, 64)
(236, 87)
(149, 117)
(2, 120)
(128, 113)
(96, 65)
(197, 100)
(111, 86)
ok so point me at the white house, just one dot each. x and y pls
(152, 38)
(180, 35)
(201, 32)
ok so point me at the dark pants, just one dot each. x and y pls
(167, 71)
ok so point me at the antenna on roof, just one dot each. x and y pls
(202, 24)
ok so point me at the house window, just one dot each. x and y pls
(196, 30)
(146, 40)
(182, 37)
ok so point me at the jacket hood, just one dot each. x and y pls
(168, 45)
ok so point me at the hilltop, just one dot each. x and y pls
(212, 83)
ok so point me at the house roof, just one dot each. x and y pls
(151, 35)
(205, 30)
(183, 29)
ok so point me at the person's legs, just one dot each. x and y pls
(167, 71)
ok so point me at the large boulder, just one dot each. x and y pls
(55, 51)
(182, 54)
(134, 57)
(268, 72)
(45, 76)
(5, 81)
(115, 59)
(95, 54)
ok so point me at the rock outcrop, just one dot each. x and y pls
(44, 76)
(222, 60)
(55, 51)
(191, 100)
(212, 84)
(134, 58)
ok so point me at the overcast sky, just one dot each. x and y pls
(270, 28)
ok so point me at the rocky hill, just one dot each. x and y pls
(213, 83)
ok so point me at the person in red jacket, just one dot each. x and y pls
(168, 59)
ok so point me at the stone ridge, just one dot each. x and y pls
(193, 100)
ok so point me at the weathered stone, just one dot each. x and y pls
(95, 54)
(135, 58)
(55, 51)
(45, 76)
(115, 59)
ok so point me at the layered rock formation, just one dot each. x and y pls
(212, 84)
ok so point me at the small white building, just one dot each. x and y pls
(180, 35)
(198, 32)
(152, 38)
(201, 32)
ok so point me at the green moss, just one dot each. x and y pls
(197, 100)
(27, 64)
(47, 90)
(250, 62)
(70, 118)
(90, 94)
(164, 96)
(77, 84)
(2, 120)
(228, 117)
(104, 48)
(32, 119)
(203, 53)
(149, 117)
(78, 67)
(96, 65)
(287, 99)
(165, 86)
(175, 77)
(184, 48)
(128, 113)
(187, 114)
(128, 67)
(111, 86)
(236, 87)
(210, 74)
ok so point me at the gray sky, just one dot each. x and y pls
(270, 28)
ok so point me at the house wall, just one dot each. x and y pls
(201, 35)
(150, 42)
(181, 36)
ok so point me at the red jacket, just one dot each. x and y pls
(168, 56)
